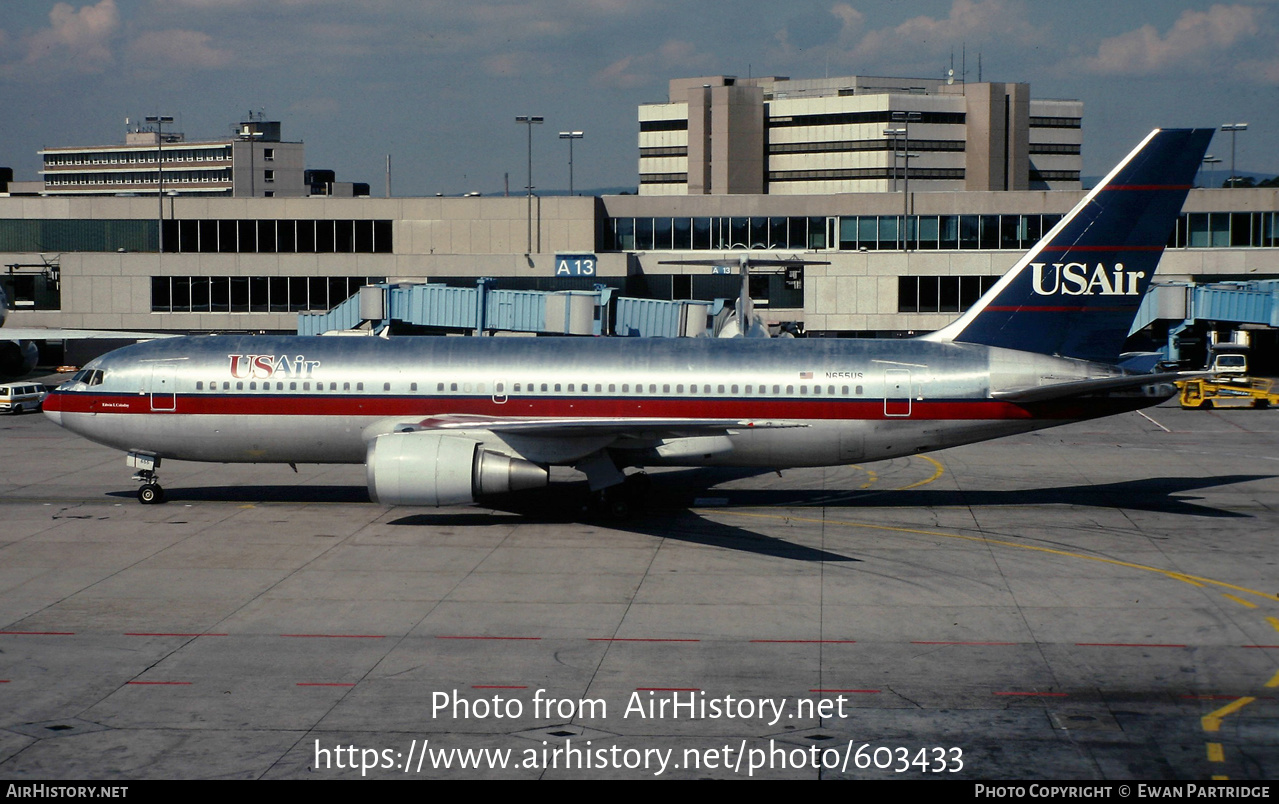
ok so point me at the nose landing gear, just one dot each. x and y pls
(151, 492)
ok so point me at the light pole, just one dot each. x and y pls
(570, 136)
(1211, 161)
(905, 118)
(1233, 128)
(530, 121)
(159, 120)
(894, 133)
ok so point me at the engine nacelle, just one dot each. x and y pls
(17, 358)
(435, 469)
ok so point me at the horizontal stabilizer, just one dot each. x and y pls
(1067, 390)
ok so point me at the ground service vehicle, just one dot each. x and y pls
(1209, 394)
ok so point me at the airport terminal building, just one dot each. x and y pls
(253, 264)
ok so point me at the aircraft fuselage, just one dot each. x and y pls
(321, 400)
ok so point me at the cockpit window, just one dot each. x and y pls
(86, 376)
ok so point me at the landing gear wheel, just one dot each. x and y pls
(610, 503)
(618, 506)
(151, 494)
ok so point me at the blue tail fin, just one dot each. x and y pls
(1076, 292)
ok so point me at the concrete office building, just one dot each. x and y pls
(255, 162)
(855, 134)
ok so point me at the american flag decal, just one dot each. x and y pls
(806, 375)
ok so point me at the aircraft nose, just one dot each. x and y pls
(51, 409)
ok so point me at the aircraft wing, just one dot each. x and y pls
(575, 427)
(1067, 390)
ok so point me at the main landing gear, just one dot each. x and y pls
(621, 501)
(151, 492)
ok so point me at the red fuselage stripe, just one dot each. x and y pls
(249, 404)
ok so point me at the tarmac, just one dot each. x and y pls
(1096, 601)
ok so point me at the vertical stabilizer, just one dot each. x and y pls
(1075, 293)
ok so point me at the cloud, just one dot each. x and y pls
(850, 21)
(973, 22)
(1195, 39)
(673, 57)
(79, 40)
(176, 50)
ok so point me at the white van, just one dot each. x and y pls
(16, 397)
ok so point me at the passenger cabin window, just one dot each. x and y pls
(386, 386)
(359, 386)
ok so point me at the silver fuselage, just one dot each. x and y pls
(321, 400)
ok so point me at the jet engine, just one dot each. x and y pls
(17, 358)
(435, 469)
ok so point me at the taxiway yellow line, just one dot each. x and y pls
(1239, 600)
(1212, 720)
(938, 471)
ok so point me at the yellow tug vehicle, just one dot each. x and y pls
(1239, 392)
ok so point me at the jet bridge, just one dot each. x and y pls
(1186, 304)
(461, 309)
(444, 308)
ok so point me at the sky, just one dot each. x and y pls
(437, 84)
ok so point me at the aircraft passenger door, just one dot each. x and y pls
(164, 388)
(500, 392)
(897, 392)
